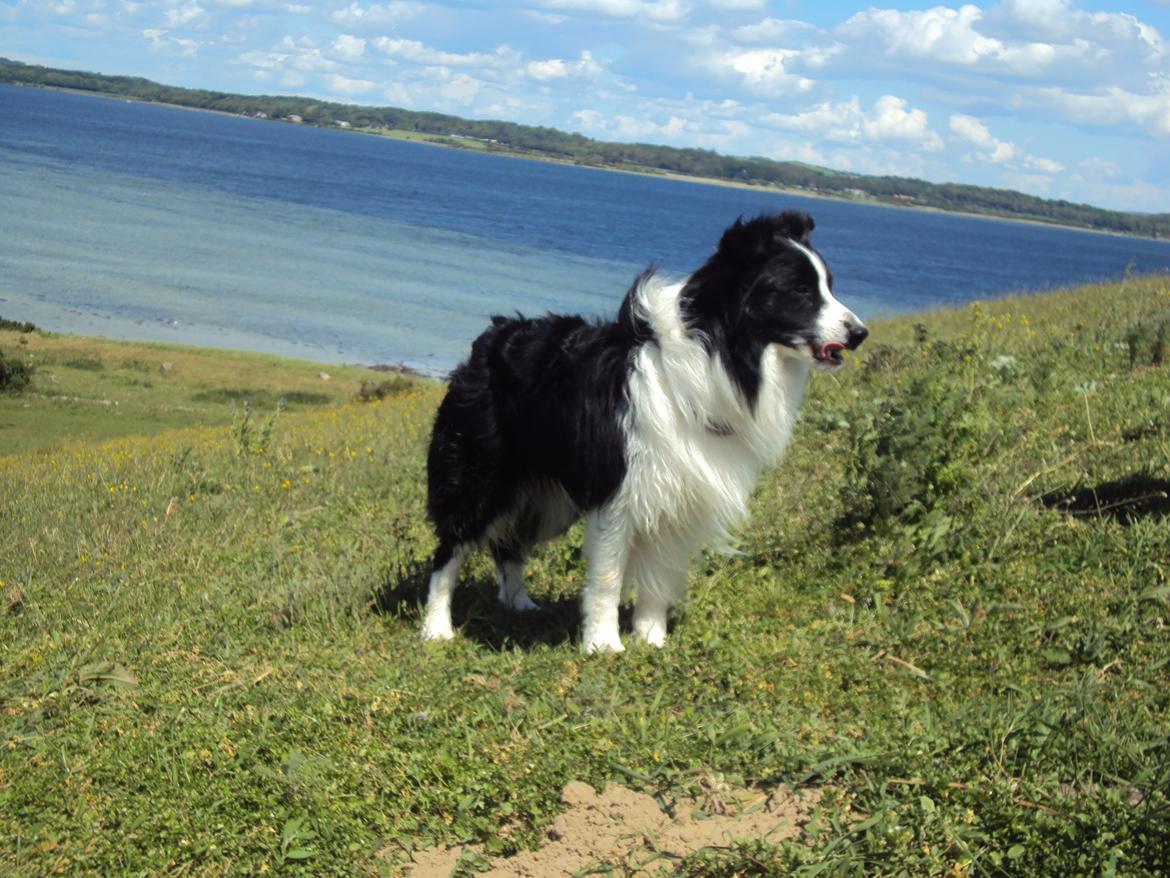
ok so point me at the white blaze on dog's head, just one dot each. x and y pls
(837, 328)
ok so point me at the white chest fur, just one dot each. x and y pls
(694, 448)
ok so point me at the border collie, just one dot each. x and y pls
(654, 426)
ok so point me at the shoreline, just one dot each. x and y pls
(10, 334)
(389, 368)
(448, 141)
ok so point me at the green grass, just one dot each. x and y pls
(93, 389)
(950, 613)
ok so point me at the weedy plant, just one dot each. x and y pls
(254, 435)
(1148, 339)
(376, 391)
(15, 375)
(914, 450)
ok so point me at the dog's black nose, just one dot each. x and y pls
(855, 335)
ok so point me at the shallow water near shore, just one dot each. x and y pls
(157, 261)
(155, 223)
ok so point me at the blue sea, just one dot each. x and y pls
(146, 222)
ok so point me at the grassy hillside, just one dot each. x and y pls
(949, 616)
(89, 389)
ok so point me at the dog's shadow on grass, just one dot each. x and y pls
(476, 613)
(1125, 500)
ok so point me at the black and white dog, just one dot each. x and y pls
(654, 426)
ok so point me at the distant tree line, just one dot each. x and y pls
(551, 143)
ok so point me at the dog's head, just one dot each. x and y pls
(766, 286)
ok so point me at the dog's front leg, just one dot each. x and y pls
(659, 581)
(437, 616)
(607, 546)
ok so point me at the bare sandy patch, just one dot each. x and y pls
(625, 828)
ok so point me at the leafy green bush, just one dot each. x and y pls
(15, 375)
(375, 391)
(914, 449)
(17, 325)
(1148, 340)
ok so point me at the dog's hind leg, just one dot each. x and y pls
(437, 620)
(607, 546)
(510, 579)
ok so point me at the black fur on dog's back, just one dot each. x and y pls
(538, 402)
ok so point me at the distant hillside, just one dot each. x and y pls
(550, 143)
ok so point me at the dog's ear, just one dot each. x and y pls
(795, 224)
(759, 236)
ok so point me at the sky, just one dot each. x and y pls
(1057, 98)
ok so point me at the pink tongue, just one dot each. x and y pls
(829, 347)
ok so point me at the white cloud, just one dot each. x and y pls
(590, 120)
(1059, 21)
(291, 57)
(1042, 15)
(556, 69)
(1037, 184)
(894, 119)
(418, 53)
(772, 30)
(399, 95)
(988, 148)
(545, 71)
(1100, 168)
(343, 85)
(1016, 39)
(891, 119)
(356, 15)
(941, 33)
(738, 5)
(459, 87)
(763, 71)
(183, 16)
(262, 60)
(634, 128)
(662, 11)
(349, 47)
(1132, 195)
(545, 17)
(1109, 107)
(944, 35)
(1044, 166)
(1046, 57)
(304, 55)
(161, 41)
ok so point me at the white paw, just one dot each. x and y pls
(594, 642)
(522, 603)
(653, 633)
(437, 629)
